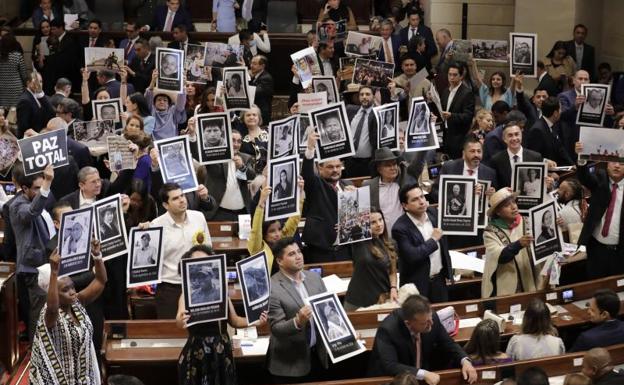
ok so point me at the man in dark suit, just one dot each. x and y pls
(416, 28)
(543, 136)
(583, 54)
(180, 38)
(68, 52)
(263, 81)
(532, 109)
(598, 366)
(445, 43)
(515, 153)
(107, 79)
(94, 38)
(602, 232)
(142, 66)
(91, 188)
(232, 198)
(33, 107)
(321, 206)
(458, 110)
(132, 35)
(424, 259)
(604, 309)
(389, 51)
(169, 15)
(62, 90)
(364, 133)
(296, 353)
(412, 339)
(572, 98)
(545, 81)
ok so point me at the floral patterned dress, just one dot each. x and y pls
(207, 356)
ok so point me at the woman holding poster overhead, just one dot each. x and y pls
(374, 267)
(207, 359)
(64, 335)
(508, 264)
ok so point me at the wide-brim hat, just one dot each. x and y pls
(498, 198)
(381, 155)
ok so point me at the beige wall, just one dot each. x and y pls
(612, 39)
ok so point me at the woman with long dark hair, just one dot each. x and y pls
(484, 344)
(559, 65)
(374, 277)
(207, 102)
(335, 10)
(496, 88)
(40, 49)
(136, 104)
(13, 75)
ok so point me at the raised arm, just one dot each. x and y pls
(255, 243)
(95, 288)
(123, 88)
(84, 88)
(474, 73)
(52, 301)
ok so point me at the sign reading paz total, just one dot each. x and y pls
(40, 150)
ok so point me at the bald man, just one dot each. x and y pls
(597, 366)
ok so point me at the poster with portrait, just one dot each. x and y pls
(592, 112)
(307, 65)
(110, 227)
(104, 59)
(602, 144)
(235, 88)
(283, 178)
(9, 151)
(387, 116)
(303, 123)
(354, 215)
(483, 202)
(176, 163)
(490, 50)
(547, 237)
(108, 109)
(333, 127)
(194, 64)
(120, 157)
(420, 133)
(523, 54)
(362, 44)
(214, 137)
(282, 137)
(74, 241)
(145, 258)
(204, 287)
(170, 67)
(327, 84)
(458, 204)
(40, 150)
(372, 73)
(334, 327)
(255, 285)
(528, 181)
(94, 133)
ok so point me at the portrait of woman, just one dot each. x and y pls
(284, 188)
(531, 183)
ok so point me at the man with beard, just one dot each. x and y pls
(364, 132)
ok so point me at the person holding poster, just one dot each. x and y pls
(208, 342)
(64, 324)
(168, 115)
(507, 238)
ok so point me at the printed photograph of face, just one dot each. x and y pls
(523, 48)
(387, 124)
(330, 127)
(234, 86)
(530, 182)
(174, 160)
(544, 226)
(213, 133)
(325, 85)
(108, 112)
(108, 222)
(75, 237)
(594, 103)
(169, 65)
(331, 321)
(419, 118)
(283, 182)
(457, 201)
(304, 123)
(204, 283)
(283, 136)
(145, 251)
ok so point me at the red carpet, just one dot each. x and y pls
(20, 375)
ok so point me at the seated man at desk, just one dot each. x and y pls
(603, 310)
(409, 339)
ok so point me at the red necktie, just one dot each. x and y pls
(470, 172)
(609, 215)
(417, 343)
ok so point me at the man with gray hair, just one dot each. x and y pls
(70, 111)
(91, 187)
(62, 90)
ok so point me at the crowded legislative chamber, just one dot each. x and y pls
(360, 192)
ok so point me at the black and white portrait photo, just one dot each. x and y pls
(420, 115)
(74, 240)
(331, 123)
(547, 237)
(108, 109)
(234, 85)
(145, 258)
(387, 124)
(213, 133)
(419, 134)
(284, 182)
(523, 54)
(145, 253)
(282, 137)
(458, 209)
(333, 324)
(174, 156)
(330, 128)
(170, 66)
(204, 288)
(254, 279)
(302, 131)
(327, 84)
(593, 111)
(108, 222)
(529, 182)
(387, 116)
(482, 200)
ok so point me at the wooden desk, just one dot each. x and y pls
(9, 338)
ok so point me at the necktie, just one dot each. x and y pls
(609, 214)
(388, 53)
(91, 42)
(128, 47)
(515, 158)
(470, 172)
(168, 21)
(413, 33)
(418, 348)
(358, 130)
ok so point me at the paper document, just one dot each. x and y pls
(335, 284)
(258, 347)
(153, 343)
(463, 261)
(469, 322)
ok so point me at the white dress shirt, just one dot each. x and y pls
(613, 238)
(511, 156)
(426, 229)
(303, 293)
(579, 55)
(232, 197)
(475, 171)
(177, 239)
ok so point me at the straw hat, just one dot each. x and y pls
(499, 197)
